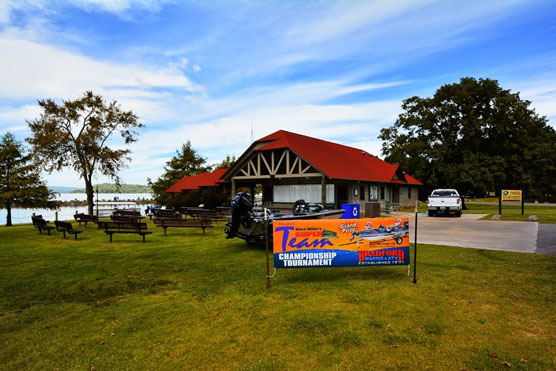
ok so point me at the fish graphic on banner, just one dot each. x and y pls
(340, 242)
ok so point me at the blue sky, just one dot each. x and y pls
(209, 71)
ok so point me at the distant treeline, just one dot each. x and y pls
(124, 188)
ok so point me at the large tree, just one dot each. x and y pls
(476, 137)
(76, 134)
(186, 162)
(20, 181)
(226, 163)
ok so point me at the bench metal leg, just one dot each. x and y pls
(164, 231)
(203, 230)
(75, 234)
(143, 238)
(64, 234)
(110, 237)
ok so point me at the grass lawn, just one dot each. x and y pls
(546, 214)
(199, 302)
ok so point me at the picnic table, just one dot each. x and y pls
(85, 218)
(182, 223)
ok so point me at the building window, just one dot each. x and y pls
(409, 192)
(362, 193)
(373, 193)
(382, 192)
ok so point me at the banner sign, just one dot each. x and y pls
(340, 242)
(511, 195)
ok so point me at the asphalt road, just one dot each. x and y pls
(470, 232)
(546, 239)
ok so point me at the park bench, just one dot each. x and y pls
(85, 218)
(198, 213)
(167, 214)
(124, 219)
(41, 224)
(224, 211)
(182, 223)
(124, 227)
(66, 227)
(129, 213)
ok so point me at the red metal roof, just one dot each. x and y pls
(197, 181)
(336, 160)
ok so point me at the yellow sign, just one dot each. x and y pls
(511, 195)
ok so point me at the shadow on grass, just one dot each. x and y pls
(312, 275)
(95, 294)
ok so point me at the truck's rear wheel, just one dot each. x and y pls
(458, 213)
(431, 213)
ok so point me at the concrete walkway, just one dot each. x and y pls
(468, 231)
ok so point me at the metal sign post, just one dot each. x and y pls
(512, 195)
(415, 243)
(266, 243)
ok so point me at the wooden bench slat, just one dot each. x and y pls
(124, 227)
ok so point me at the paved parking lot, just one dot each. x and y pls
(468, 231)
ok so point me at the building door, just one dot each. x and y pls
(342, 194)
(396, 194)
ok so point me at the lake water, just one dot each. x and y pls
(20, 216)
(104, 196)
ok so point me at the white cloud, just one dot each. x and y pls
(541, 92)
(385, 34)
(32, 70)
(215, 139)
(17, 115)
(339, 19)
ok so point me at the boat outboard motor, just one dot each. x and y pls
(241, 207)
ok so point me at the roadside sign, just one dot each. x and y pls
(340, 242)
(511, 195)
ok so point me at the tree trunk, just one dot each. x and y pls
(90, 195)
(9, 214)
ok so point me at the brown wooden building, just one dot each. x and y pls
(291, 166)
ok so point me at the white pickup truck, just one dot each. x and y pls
(444, 201)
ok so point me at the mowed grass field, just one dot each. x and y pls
(194, 301)
(546, 214)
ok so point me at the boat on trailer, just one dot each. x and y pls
(248, 222)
